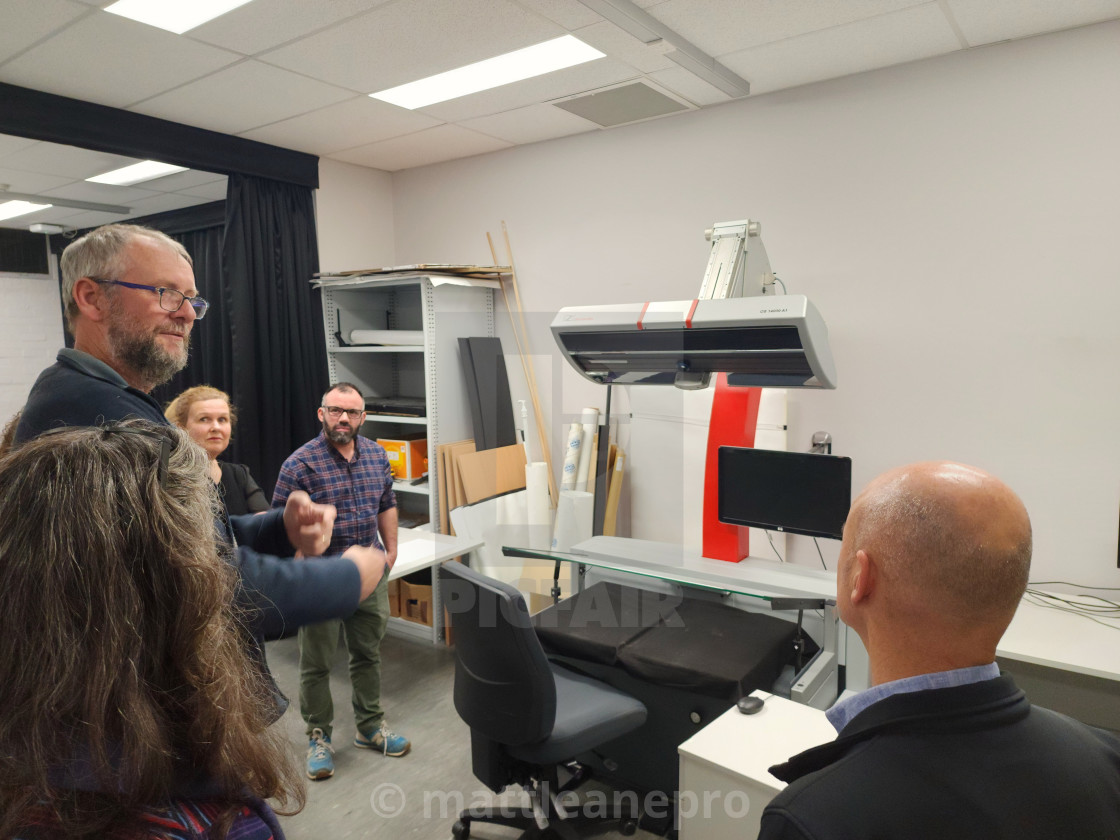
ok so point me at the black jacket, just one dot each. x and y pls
(972, 761)
(282, 595)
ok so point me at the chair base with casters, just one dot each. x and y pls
(527, 716)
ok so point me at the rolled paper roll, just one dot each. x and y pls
(590, 424)
(574, 515)
(539, 511)
(571, 457)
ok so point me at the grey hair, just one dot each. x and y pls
(100, 253)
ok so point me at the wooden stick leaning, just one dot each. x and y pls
(526, 366)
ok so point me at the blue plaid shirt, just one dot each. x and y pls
(361, 488)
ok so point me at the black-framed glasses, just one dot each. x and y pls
(335, 412)
(170, 300)
(166, 444)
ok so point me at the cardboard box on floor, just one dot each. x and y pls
(416, 602)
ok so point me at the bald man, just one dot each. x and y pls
(934, 561)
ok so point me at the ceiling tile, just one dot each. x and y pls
(25, 23)
(100, 193)
(30, 182)
(10, 144)
(562, 83)
(114, 61)
(245, 96)
(214, 191)
(570, 14)
(444, 142)
(621, 45)
(877, 42)
(690, 87)
(183, 181)
(162, 202)
(355, 122)
(530, 125)
(264, 24)
(403, 42)
(723, 26)
(987, 21)
(69, 161)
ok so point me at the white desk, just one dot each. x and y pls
(1065, 662)
(724, 778)
(418, 550)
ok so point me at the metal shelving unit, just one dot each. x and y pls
(444, 309)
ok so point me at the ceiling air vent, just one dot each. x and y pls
(621, 104)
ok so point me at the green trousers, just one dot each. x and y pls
(318, 644)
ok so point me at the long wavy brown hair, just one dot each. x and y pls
(124, 663)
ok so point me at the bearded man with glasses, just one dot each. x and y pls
(131, 303)
(351, 472)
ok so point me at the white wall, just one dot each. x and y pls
(30, 336)
(354, 217)
(955, 220)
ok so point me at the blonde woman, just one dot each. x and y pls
(208, 416)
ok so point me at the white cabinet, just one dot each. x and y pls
(437, 309)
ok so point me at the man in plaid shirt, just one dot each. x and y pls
(351, 472)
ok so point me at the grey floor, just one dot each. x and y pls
(371, 796)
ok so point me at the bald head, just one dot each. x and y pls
(946, 537)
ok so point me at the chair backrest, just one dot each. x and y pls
(504, 688)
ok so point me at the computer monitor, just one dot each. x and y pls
(793, 492)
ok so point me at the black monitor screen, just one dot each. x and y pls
(794, 492)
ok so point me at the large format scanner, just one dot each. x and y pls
(777, 341)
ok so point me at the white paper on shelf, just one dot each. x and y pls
(574, 516)
(392, 337)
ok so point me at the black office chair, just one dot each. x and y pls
(526, 715)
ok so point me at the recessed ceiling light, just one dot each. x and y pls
(173, 15)
(145, 170)
(491, 73)
(11, 209)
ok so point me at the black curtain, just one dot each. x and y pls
(277, 347)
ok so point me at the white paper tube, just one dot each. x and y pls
(571, 457)
(405, 337)
(574, 516)
(590, 424)
(539, 512)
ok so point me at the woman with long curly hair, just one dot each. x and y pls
(130, 708)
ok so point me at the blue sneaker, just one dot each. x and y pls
(320, 764)
(384, 741)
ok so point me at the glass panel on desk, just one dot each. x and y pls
(687, 577)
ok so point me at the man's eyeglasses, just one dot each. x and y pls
(169, 299)
(334, 412)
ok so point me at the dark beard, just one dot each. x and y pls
(143, 356)
(339, 436)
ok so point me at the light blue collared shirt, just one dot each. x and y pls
(841, 714)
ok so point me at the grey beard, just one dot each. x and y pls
(142, 355)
